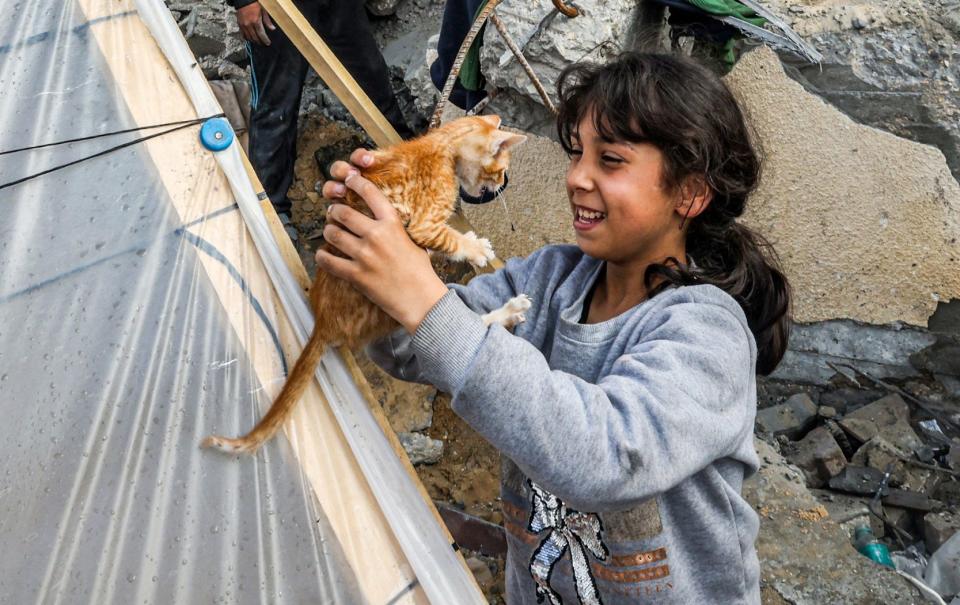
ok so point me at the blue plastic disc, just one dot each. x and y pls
(216, 134)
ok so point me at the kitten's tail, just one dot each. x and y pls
(297, 382)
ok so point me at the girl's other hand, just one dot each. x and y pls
(382, 262)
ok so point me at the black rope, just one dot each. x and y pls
(176, 126)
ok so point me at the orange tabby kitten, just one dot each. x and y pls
(421, 177)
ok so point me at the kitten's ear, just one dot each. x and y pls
(493, 120)
(506, 140)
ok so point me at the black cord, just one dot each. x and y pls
(176, 126)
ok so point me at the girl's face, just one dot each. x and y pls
(620, 212)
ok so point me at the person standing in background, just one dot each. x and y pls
(278, 71)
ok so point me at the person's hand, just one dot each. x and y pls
(382, 262)
(254, 23)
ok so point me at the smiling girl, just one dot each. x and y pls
(624, 406)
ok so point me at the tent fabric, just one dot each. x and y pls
(138, 314)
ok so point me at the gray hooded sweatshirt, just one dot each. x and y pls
(625, 443)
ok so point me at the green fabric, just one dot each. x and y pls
(470, 76)
(729, 8)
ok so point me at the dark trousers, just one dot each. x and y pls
(280, 70)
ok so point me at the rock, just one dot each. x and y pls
(819, 456)
(825, 411)
(908, 500)
(791, 418)
(845, 399)
(939, 527)
(861, 480)
(551, 41)
(382, 8)
(808, 558)
(948, 492)
(942, 357)
(481, 572)
(420, 448)
(887, 417)
(880, 454)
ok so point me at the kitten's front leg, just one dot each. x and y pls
(457, 246)
(510, 314)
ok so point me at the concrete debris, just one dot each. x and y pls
(791, 418)
(382, 8)
(809, 558)
(887, 418)
(420, 448)
(819, 456)
(940, 527)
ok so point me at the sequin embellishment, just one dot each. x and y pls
(569, 531)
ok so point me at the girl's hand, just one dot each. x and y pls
(383, 263)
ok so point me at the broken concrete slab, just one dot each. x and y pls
(880, 454)
(791, 418)
(888, 418)
(890, 276)
(807, 558)
(881, 351)
(819, 456)
(420, 448)
(860, 480)
(939, 527)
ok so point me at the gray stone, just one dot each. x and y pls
(887, 417)
(791, 418)
(880, 454)
(861, 480)
(826, 411)
(420, 448)
(847, 399)
(551, 41)
(880, 351)
(805, 555)
(382, 8)
(819, 456)
(942, 357)
(939, 527)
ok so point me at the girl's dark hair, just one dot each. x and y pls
(690, 115)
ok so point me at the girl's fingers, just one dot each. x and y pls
(340, 169)
(378, 203)
(361, 157)
(333, 190)
(342, 239)
(334, 265)
(268, 21)
(355, 222)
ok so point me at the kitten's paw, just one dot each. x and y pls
(479, 251)
(511, 313)
(515, 309)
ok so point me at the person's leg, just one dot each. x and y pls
(278, 71)
(345, 28)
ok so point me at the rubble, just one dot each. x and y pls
(819, 456)
(420, 448)
(940, 527)
(791, 418)
(810, 558)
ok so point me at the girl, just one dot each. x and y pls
(624, 406)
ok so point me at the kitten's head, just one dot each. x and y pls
(482, 152)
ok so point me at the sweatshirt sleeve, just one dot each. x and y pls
(239, 3)
(484, 293)
(677, 400)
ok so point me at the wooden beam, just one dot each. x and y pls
(331, 70)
